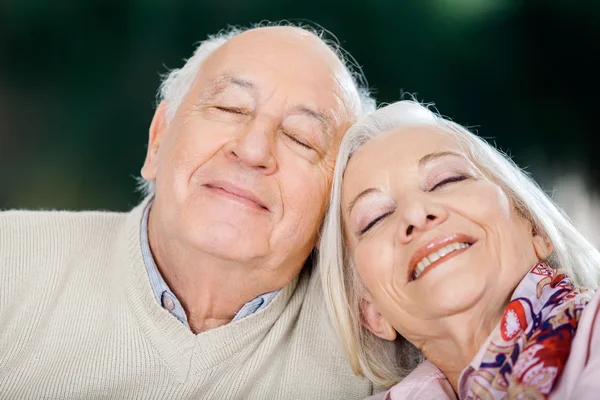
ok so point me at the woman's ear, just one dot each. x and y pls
(372, 319)
(542, 245)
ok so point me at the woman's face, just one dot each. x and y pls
(431, 237)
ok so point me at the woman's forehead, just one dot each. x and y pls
(403, 146)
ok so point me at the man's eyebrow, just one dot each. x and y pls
(426, 159)
(362, 194)
(222, 82)
(323, 120)
(243, 83)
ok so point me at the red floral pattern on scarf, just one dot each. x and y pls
(529, 349)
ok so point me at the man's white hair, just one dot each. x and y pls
(177, 82)
(386, 363)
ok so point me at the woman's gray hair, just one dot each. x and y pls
(177, 82)
(386, 363)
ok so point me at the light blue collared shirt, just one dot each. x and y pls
(167, 299)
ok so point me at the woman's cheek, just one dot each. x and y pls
(369, 265)
(361, 262)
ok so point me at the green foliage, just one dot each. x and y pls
(78, 79)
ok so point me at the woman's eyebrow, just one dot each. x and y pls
(426, 159)
(360, 196)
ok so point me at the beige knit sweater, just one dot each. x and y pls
(78, 319)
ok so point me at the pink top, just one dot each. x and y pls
(580, 378)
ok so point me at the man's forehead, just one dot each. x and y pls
(294, 60)
(278, 50)
(326, 116)
(276, 42)
(286, 36)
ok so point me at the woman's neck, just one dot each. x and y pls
(462, 337)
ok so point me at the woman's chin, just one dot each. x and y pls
(453, 294)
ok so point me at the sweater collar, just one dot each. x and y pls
(165, 296)
(184, 352)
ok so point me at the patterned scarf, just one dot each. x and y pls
(529, 349)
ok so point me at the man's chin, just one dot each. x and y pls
(229, 243)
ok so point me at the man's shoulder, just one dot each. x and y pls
(14, 221)
(65, 214)
(55, 234)
(40, 249)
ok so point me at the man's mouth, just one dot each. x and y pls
(237, 193)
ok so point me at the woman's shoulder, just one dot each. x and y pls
(580, 377)
(425, 382)
(587, 336)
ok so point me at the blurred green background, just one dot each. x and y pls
(78, 80)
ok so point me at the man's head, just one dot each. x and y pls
(242, 146)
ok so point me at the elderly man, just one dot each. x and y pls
(200, 291)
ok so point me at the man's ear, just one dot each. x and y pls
(372, 319)
(542, 246)
(158, 127)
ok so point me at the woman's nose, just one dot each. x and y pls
(420, 216)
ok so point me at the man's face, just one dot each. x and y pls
(243, 169)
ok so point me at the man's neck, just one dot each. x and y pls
(211, 296)
(211, 290)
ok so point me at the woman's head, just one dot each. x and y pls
(428, 221)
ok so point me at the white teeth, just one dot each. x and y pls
(445, 250)
(436, 255)
(424, 263)
(419, 269)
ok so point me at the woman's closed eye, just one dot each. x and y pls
(373, 222)
(448, 180)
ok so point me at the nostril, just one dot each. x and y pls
(409, 230)
(430, 217)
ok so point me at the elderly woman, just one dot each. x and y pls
(447, 269)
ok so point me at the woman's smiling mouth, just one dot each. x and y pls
(437, 251)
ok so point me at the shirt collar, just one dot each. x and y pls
(167, 299)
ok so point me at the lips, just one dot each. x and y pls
(237, 193)
(430, 248)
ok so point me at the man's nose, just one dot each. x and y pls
(419, 215)
(253, 146)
